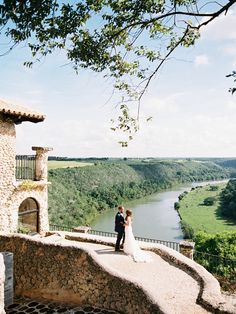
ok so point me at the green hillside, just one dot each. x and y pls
(77, 195)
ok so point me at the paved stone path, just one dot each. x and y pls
(175, 291)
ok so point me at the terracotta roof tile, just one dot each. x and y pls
(19, 113)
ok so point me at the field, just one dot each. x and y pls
(202, 217)
(55, 164)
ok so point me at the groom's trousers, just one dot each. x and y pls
(120, 235)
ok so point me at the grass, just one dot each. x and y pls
(55, 164)
(201, 217)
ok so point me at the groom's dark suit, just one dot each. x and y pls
(120, 229)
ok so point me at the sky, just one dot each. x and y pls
(193, 114)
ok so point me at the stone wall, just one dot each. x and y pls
(2, 279)
(68, 274)
(7, 167)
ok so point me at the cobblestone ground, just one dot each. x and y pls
(23, 306)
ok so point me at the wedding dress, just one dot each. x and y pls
(132, 248)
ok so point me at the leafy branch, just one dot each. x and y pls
(232, 90)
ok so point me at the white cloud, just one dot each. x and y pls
(231, 105)
(222, 28)
(201, 60)
(230, 50)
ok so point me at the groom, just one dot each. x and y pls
(119, 227)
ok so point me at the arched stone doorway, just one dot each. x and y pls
(28, 220)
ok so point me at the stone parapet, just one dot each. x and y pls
(55, 269)
(82, 229)
(210, 295)
(46, 268)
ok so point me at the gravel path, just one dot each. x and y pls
(175, 291)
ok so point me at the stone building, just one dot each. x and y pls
(23, 179)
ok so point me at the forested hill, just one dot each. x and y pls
(77, 195)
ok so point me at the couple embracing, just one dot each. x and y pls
(123, 227)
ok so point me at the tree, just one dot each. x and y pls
(127, 40)
(209, 201)
(228, 200)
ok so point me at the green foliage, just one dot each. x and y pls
(232, 90)
(228, 200)
(188, 231)
(23, 229)
(126, 40)
(209, 201)
(77, 195)
(176, 205)
(182, 195)
(223, 246)
(214, 187)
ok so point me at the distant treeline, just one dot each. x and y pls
(75, 158)
(77, 195)
(230, 165)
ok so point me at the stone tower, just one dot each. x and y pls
(23, 180)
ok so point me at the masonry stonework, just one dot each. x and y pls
(68, 274)
(39, 194)
(7, 168)
(13, 192)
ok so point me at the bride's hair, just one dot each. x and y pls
(129, 212)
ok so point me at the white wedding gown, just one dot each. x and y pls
(132, 248)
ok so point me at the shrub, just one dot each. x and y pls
(187, 230)
(176, 205)
(182, 195)
(214, 187)
(222, 250)
(209, 201)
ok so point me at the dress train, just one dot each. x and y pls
(132, 248)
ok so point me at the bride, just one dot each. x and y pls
(131, 246)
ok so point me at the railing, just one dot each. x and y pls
(25, 167)
(215, 264)
(170, 244)
(103, 233)
(60, 228)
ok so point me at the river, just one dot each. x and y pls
(154, 216)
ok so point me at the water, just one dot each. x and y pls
(154, 216)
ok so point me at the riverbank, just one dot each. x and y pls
(199, 211)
